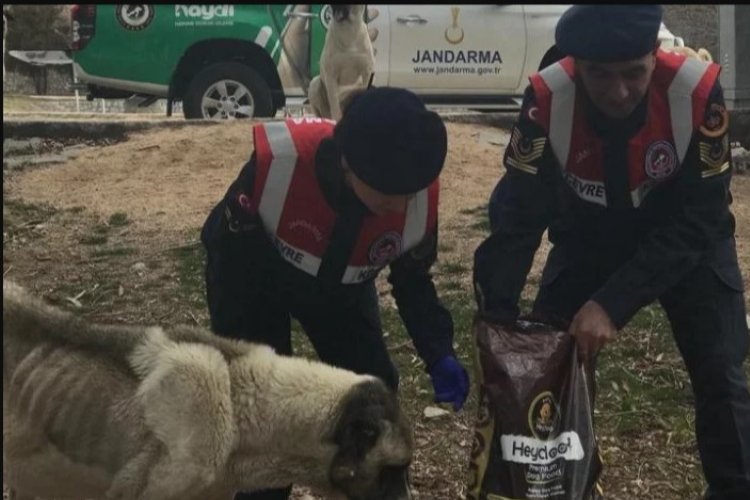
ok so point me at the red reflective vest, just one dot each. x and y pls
(676, 104)
(298, 218)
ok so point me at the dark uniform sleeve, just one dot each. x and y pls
(697, 219)
(520, 210)
(427, 321)
(237, 250)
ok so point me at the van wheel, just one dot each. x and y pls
(227, 90)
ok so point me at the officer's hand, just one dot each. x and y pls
(592, 328)
(450, 381)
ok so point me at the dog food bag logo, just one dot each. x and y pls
(544, 416)
(204, 15)
(134, 17)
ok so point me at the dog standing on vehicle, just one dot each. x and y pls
(141, 413)
(346, 64)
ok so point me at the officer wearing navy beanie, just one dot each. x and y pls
(621, 152)
(310, 221)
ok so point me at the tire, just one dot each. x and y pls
(227, 90)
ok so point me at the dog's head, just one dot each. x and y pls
(374, 445)
(343, 13)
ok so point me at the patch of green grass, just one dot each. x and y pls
(641, 381)
(452, 268)
(478, 210)
(191, 266)
(113, 252)
(32, 210)
(444, 247)
(93, 240)
(482, 225)
(118, 219)
(20, 217)
(452, 286)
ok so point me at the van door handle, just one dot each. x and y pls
(413, 18)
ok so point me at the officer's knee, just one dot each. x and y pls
(718, 378)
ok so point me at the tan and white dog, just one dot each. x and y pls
(700, 54)
(346, 64)
(130, 412)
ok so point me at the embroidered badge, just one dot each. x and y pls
(533, 113)
(714, 153)
(716, 122)
(385, 249)
(661, 160)
(524, 150)
(714, 156)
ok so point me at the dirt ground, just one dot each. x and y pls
(145, 198)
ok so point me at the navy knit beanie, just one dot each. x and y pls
(391, 141)
(608, 33)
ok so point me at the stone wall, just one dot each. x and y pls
(23, 78)
(698, 25)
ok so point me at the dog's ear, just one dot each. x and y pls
(361, 416)
(358, 430)
(374, 444)
(340, 12)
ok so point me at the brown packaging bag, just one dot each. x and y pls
(534, 435)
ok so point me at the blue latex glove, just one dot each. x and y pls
(450, 381)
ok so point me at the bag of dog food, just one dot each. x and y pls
(534, 435)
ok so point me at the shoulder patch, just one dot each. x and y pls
(524, 150)
(533, 113)
(716, 121)
(714, 153)
(714, 156)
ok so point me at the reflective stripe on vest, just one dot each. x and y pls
(280, 147)
(681, 103)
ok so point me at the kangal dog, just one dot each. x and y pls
(346, 63)
(129, 412)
